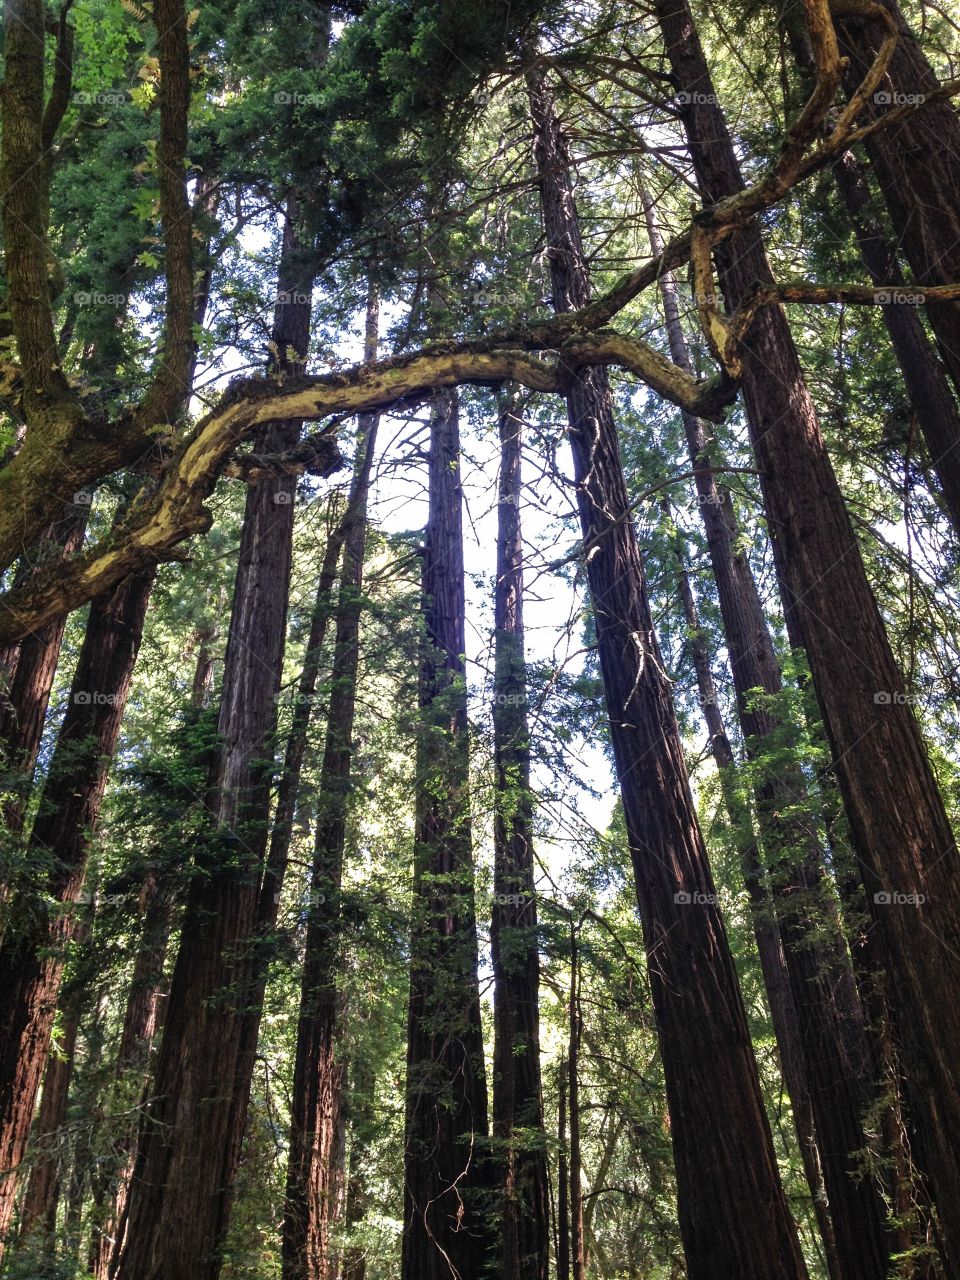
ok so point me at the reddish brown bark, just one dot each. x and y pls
(446, 1233)
(520, 1146)
(314, 1169)
(900, 831)
(180, 1194)
(724, 1156)
(31, 958)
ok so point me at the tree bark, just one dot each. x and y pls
(32, 954)
(520, 1140)
(901, 833)
(447, 1233)
(191, 1137)
(313, 1176)
(766, 931)
(838, 1085)
(917, 164)
(724, 1158)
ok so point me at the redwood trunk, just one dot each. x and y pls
(447, 1232)
(723, 1154)
(31, 959)
(517, 1087)
(900, 829)
(917, 163)
(838, 1084)
(190, 1143)
(314, 1169)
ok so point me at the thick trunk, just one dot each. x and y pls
(837, 1086)
(517, 1089)
(314, 1172)
(447, 1229)
(900, 832)
(724, 1157)
(31, 959)
(190, 1143)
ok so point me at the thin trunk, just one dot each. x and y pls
(724, 1155)
(924, 374)
(900, 832)
(362, 1098)
(575, 1027)
(38, 1209)
(773, 964)
(24, 705)
(314, 1180)
(31, 959)
(517, 1087)
(448, 1234)
(563, 1177)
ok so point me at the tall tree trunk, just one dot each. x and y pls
(901, 833)
(724, 1157)
(313, 1186)
(917, 164)
(925, 376)
(190, 1143)
(447, 1233)
(38, 1209)
(362, 1096)
(766, 931)
(838, 1084)
(32, 955)
(563, 1176)
(575, 1031)
(140, 1024)
(23, 707)
(517, 1088)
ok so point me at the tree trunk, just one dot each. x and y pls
(838, 1084)
(575, 1027)
(38, 1209)
(140, 1024)
(362, 1096)
(724, 1156)
(191, 1138)
(917, 164)
(563, 1176)
(32, 955)
(766, 931)
(900, 832)
(517, 1089)
(925, 376)
(23, 709)
(447, 1234)
(313, 1177)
